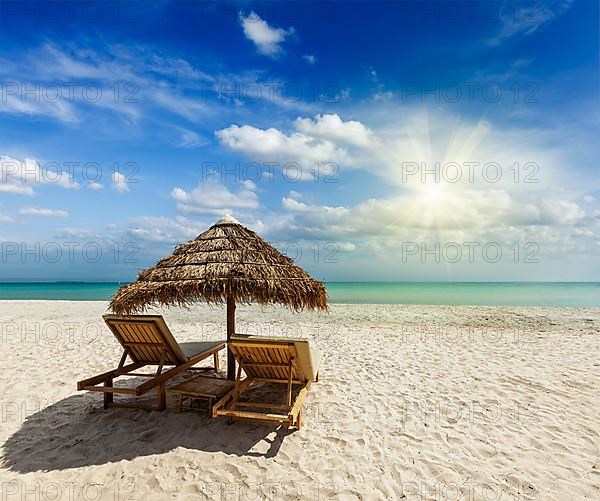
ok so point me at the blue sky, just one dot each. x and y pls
(320, 125)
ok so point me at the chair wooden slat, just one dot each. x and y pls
(129, 333)
(136, 332)
(150, 333)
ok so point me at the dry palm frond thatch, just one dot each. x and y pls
(226, 262)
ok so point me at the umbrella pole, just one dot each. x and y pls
(230, 332)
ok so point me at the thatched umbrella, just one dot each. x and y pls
(228, 263)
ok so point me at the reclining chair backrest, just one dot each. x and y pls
(275, 351)
(146, 338)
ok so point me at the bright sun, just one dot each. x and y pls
(433, 193)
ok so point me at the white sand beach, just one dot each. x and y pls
(413, 402)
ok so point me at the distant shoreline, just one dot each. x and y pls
(330, 282)
(543, 294)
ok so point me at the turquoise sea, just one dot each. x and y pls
(582, 294)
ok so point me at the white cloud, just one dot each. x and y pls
(345, 246)
(498, 213)
(95, 186)
(215, 198)
(333, 128)
(562, 212)
(76, 233)
(19, 189)
(267, 39)
(120, 182)
(191, 139)
(36, 211)
(163, 230)
(312, 220)
(19, 177)
(528, 19)
(383, 96)
(146, 80)
(321, 140)
(5, 219)
(51, 64)
(18, 103)
(309, 58)
(272, 145)
(189, 108)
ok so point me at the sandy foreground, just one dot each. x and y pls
(414, 402)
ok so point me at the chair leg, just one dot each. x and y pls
(289, 385)
(161, 403)
(216, 359)
(108, 396)
(236, 393)
(299, 420)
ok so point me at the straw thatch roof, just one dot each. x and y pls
(227, 260)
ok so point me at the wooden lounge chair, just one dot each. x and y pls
(147, 340)
(287, 361)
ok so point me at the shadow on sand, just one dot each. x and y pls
(77, 432)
